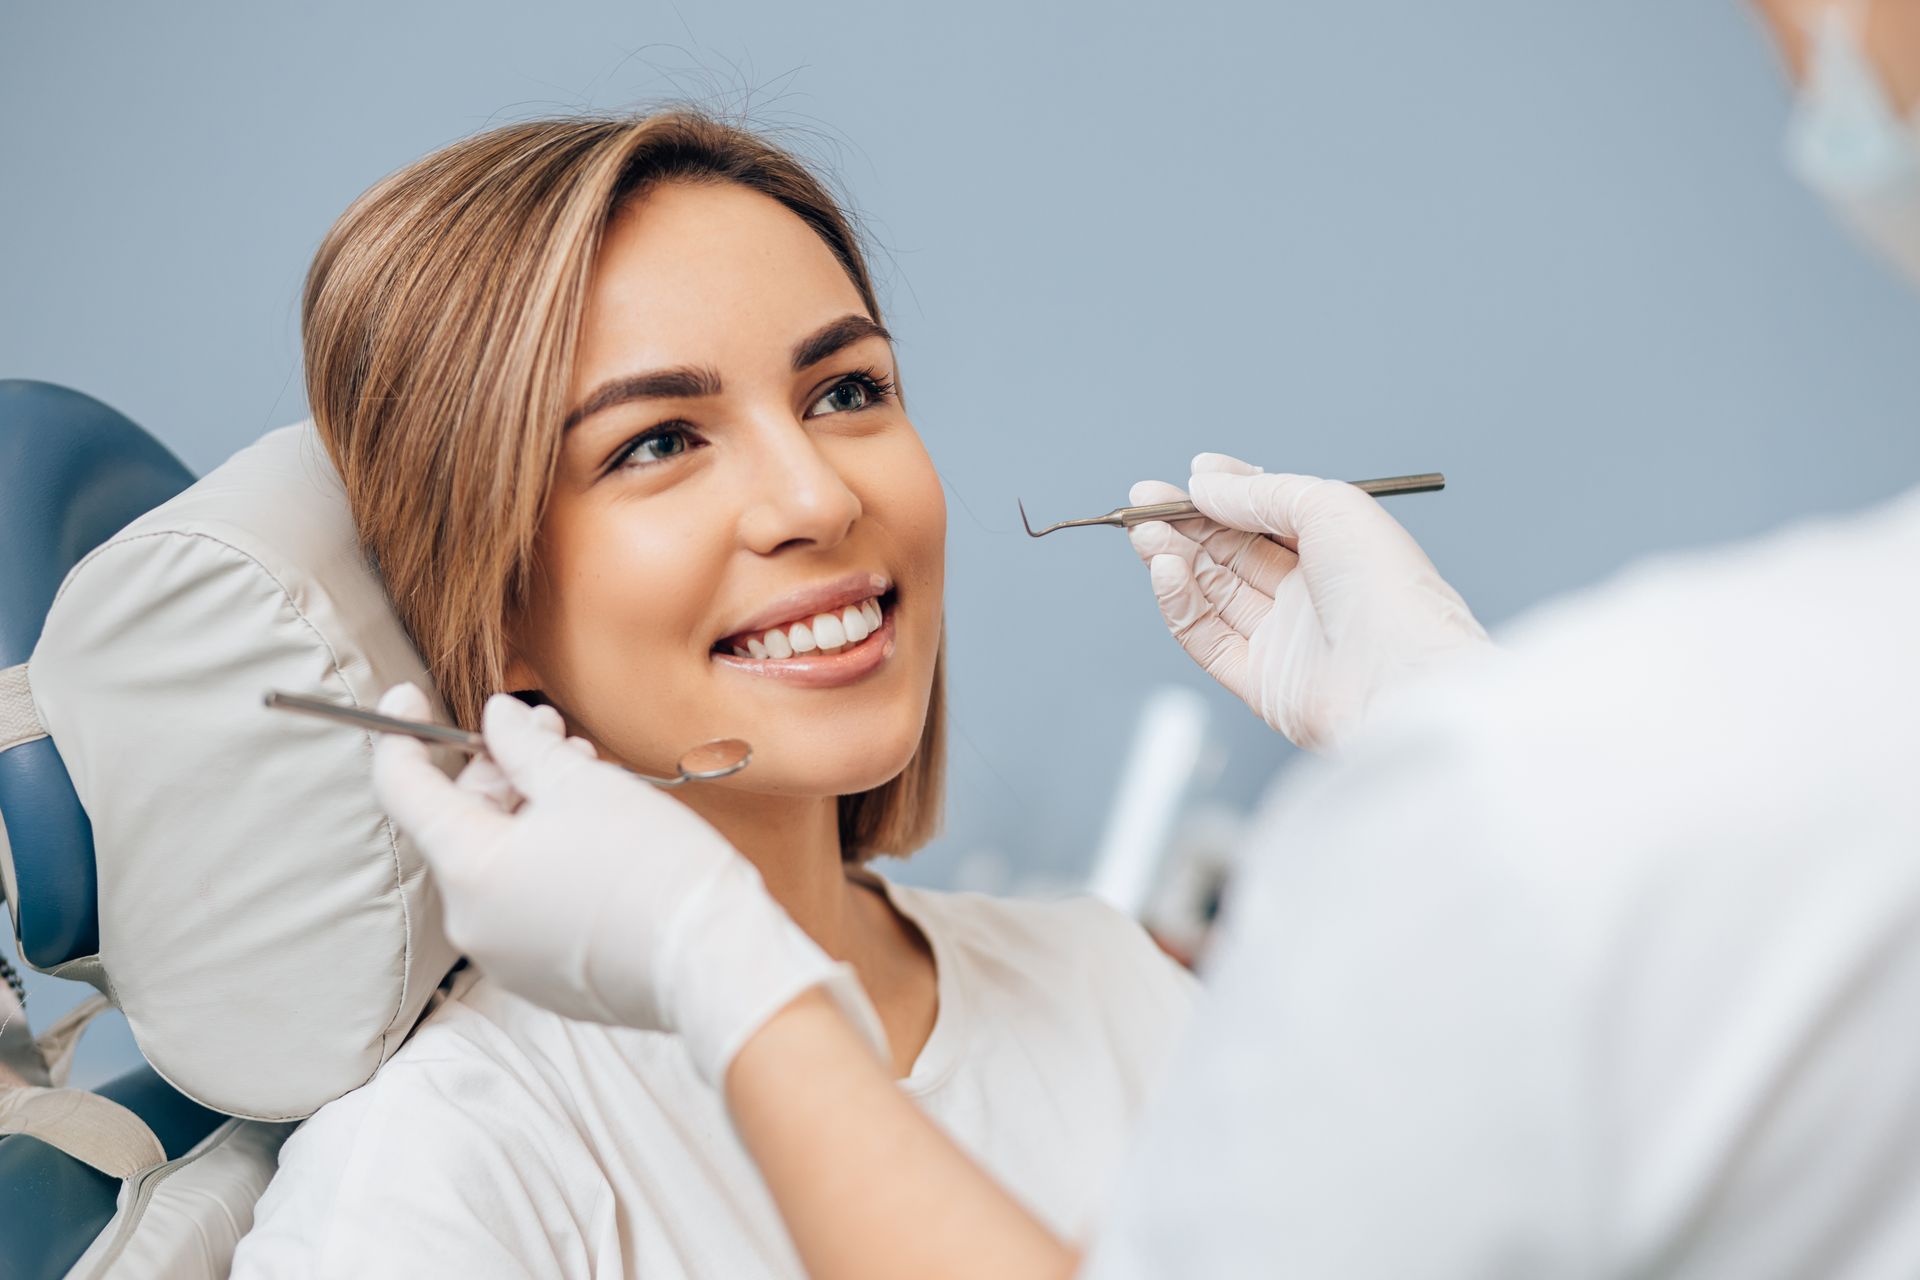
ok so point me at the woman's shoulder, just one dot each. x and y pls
(405, 1161)
(463, 1080)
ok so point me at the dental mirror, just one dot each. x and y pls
(719, 758)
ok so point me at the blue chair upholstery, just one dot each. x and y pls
(52, 1206)
(73, 472)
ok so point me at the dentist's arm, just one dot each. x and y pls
(1302, 596)
(870, 1188)
(582, 888)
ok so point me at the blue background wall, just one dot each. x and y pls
(1547, 246)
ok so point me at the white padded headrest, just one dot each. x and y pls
(268, 932)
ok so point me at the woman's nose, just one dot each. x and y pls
(797, 496)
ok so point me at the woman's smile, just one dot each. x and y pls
(830, 636)
(822, 668)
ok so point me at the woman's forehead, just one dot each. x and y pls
(684, 242)
(708, 273)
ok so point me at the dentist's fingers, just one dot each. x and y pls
(1145, 491)
(1197, 625)
(1352, 538)
(1222, 462)
(482, 777)
(1240, 604)
(1286, 506)
(1146, 538)
(1255, 557)
(532, 753)
(412, 789)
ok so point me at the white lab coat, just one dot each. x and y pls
(1599, 959)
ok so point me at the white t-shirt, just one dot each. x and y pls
(1599, 960)
(504, 1140)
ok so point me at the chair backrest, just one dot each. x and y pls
(72, 473)
(268, 932)
(221, 871)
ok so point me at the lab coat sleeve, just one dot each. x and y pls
(1553, 978)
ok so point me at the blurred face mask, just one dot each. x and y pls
(1848, 143)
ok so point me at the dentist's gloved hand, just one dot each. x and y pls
(1306, 630)
(582, 888)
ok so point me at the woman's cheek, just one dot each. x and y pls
(632, 599)
(919, 504)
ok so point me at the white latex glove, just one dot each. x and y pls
(576, 885)
(1309, 624)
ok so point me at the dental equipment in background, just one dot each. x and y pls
(1127, 517)
(719, 758)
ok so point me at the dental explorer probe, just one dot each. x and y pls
(1127, 517)
(710, 760)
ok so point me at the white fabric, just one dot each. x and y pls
(1600, 960)
(183, 1219)
(267, 932)
(503, 1140)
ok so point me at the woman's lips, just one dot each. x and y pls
(822, 670)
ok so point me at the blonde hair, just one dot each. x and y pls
(439, 323)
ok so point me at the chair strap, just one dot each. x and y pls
(19, 720)
(57, 1043)
(93, 1129)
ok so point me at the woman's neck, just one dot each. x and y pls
(794, 842)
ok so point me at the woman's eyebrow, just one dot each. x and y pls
(688, 381)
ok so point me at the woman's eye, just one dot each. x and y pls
(848, 395)
(855, 391)
(656, 445)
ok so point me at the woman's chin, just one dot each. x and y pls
(814, 769)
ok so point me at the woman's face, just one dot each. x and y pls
(737, 469)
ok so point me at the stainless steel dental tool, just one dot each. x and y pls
(719, 758)
(1127, 517)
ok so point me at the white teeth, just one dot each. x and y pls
(824, 632)
(827, 631)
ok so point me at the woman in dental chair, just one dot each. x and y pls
(623, 431)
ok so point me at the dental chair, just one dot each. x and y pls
(218, 871)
